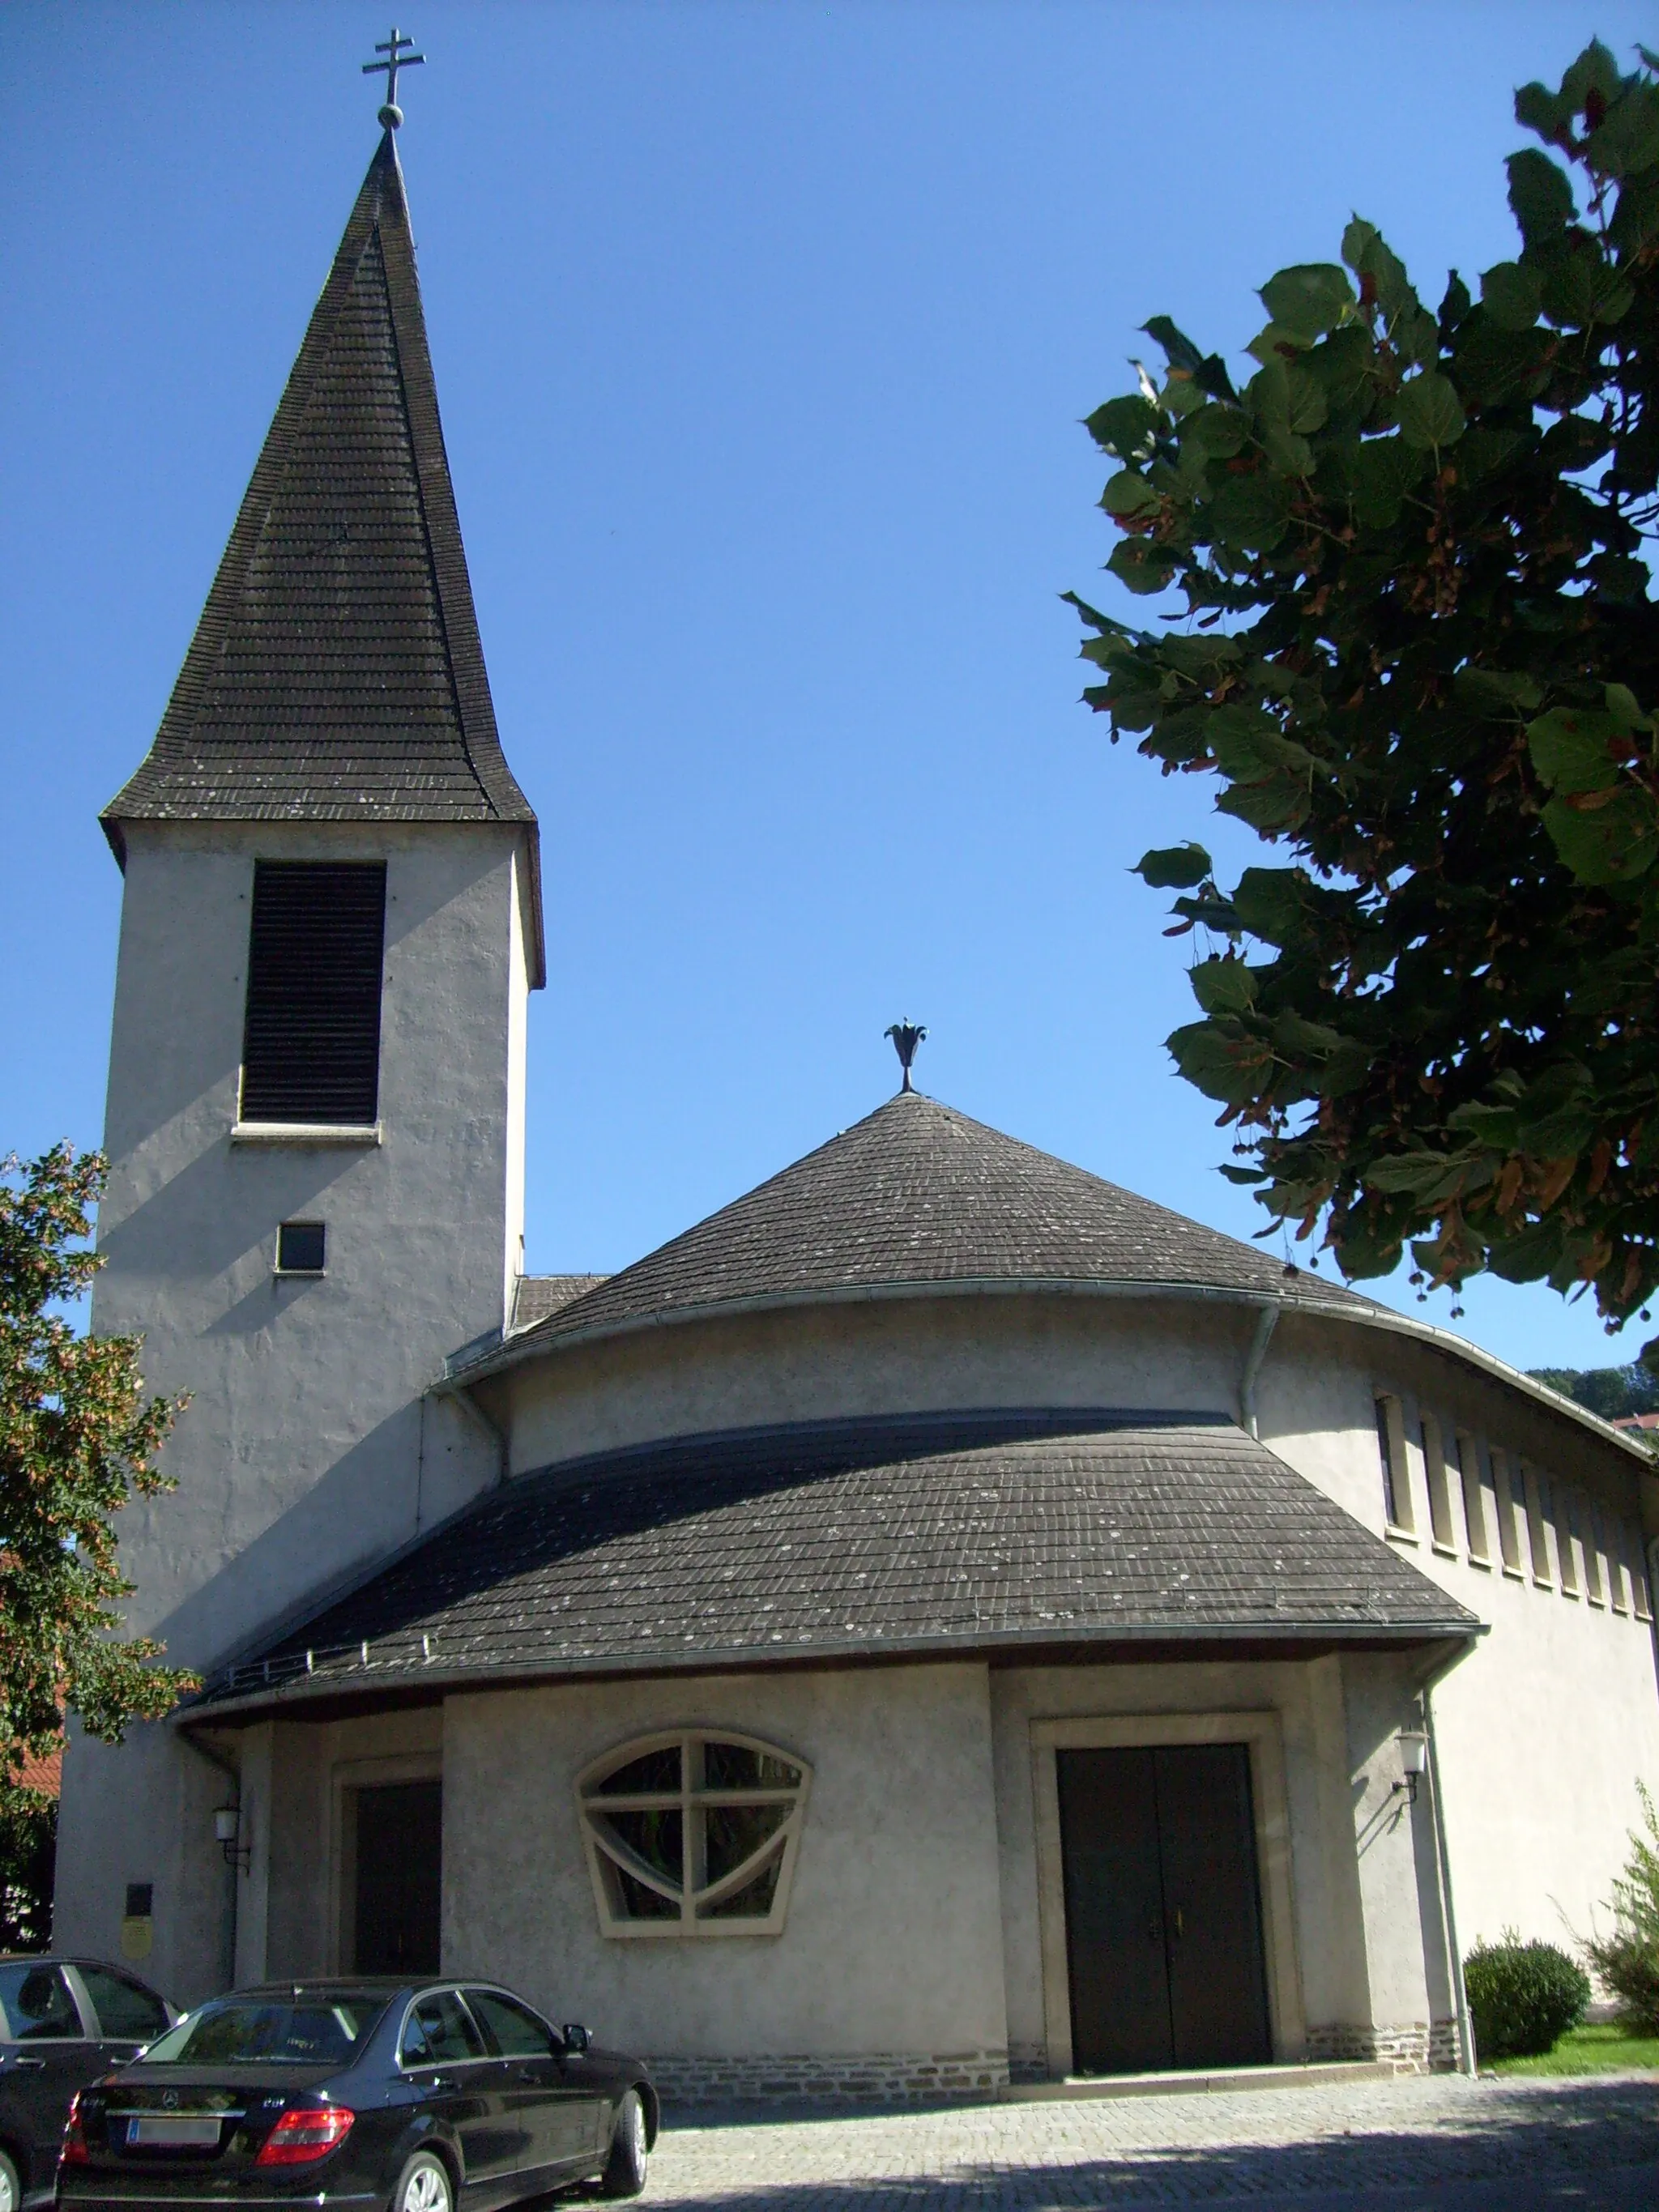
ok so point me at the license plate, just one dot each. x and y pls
(192, 2130)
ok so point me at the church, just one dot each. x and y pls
(942, 1623)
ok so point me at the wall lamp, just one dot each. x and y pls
(1414, 1762)
(226, 1826)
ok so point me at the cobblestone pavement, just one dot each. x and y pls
(1441, 2143)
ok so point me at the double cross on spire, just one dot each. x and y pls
(391, 115)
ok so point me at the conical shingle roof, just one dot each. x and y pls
(918, 1194)
(336, 672)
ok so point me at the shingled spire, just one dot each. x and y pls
(336, 672)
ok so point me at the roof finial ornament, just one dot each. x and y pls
(391, 115)
(906, 1037)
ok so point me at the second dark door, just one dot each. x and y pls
(399, 1886)
(1163, 1911)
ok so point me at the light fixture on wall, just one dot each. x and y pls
(1413, 1761)
(226, 1826)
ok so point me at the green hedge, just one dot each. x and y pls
(1524, 1996)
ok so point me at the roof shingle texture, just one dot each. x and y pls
(865, 1538)
(534, 1297)
(918, 1194)
(336, 672)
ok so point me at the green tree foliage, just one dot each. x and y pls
(76, 1440)
(29, 1855)
(1418, 655)
(1612, 1392)
(1628, 1959)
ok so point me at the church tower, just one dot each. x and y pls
(331, 921)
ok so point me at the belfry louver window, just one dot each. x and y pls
(310, 1048)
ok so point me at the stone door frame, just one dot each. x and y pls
(1270, 1799)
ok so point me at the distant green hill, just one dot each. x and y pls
(1612, 1392)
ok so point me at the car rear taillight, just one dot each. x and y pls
(310, 2132)
(74, 2151)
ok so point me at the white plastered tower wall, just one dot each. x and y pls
(333, 708)
(311, 1447)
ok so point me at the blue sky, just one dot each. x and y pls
(762, 332)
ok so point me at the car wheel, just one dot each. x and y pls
(11, 2187)
(423, 2186)
(624, 2170)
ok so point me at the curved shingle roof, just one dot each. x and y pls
(916, 1194)
(867, 1539)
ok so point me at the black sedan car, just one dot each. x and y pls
(62, 2023)
(417, 2097)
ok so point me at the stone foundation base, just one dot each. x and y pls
(883, 2077)
(1417, 2047)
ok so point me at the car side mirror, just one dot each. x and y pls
(576, 2036)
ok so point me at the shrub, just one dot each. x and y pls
(1524, 1997)
(1628, 1959)
(29, 1833)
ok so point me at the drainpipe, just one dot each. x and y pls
(1466, 2063)
(233, 1867)
(1266, 1322)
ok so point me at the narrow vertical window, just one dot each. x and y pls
(1391, 1452)
(1638, 1567)
(1561, 1505)
(1434, 1464)
(1587, 1521)
(1614, 1539)
(1509, 1533)
(311, 1046)
(1538, 1534)
(1474, 1501)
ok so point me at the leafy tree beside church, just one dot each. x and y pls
(1418, 655)
(77, 1439)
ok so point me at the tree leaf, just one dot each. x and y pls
(1178, 348)
(1128, 493)
(1495, 365)
(1218, 430)
(1537, 108)
(1309, 299)
(1124, 427)
(1174, 867)
(1222, 1060)
(1496, 691)
(1269, 903)
(1627, 140)
(1143, 568)
(1512, 295)
(1366, 254)
(1430, 412)
(1223, 986)
(1251, 512)
(1614, 843)
(1541, 195)
(1580, 288)
(1385, 469)
(1569, 749)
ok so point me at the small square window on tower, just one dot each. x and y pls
(301, 1246)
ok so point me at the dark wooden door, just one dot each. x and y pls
(1162, 1910)
(399, 1886)
(1114, 1911)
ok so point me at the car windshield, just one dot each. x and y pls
(324, 2030)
